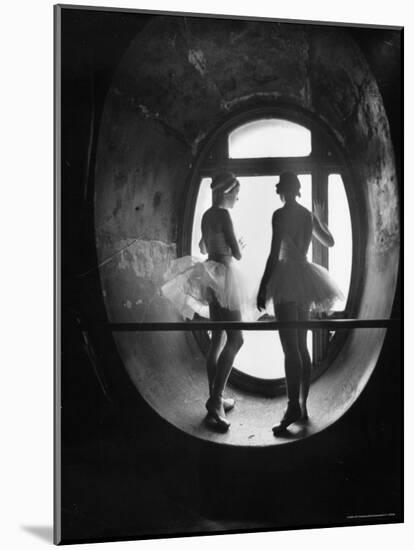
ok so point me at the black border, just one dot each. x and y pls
(230, 16)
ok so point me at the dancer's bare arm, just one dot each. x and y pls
(320, 229)
(202, 246)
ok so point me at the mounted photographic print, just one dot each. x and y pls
(228, 294)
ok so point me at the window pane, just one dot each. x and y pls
(261, 354)
(339, 219)
(202, 204)
(270, 138)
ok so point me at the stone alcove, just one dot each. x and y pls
(176, 84)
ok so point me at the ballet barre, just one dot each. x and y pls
(180, 326)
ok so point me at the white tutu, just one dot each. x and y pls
(192, 285)
(294, 279)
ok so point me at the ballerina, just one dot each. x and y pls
(216, 283)
(296, 286)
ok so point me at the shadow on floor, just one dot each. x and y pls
(44, 532)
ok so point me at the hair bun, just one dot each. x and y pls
(223, 180)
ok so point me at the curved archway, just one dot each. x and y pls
(162, 106)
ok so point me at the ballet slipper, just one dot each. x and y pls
(293, 414)
(214, 419)
(215, 425)
(228, 403)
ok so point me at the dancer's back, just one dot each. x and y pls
(218, 235)
(293, 225)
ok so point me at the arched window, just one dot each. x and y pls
(269, 137)
(257, 150)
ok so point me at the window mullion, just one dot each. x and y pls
(320, 196)
(260, 167)
(320, 253)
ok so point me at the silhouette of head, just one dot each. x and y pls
(225, 187)
(289, 185)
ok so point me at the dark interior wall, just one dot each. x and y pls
(112, 460)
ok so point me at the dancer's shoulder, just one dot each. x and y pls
(304, 210)
(304, 214)
(277, 214)
(215, 218)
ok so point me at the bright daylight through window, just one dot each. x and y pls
(252, 216)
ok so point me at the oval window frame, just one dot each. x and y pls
(326, 149)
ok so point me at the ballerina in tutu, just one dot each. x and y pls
(215, 284)
(296, 286)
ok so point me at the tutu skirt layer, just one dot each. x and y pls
(192, 285)
(305, 283)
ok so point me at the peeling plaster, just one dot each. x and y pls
(227, 105)
(385, 205)
(147, 259)
(197, 59)
(145, 111)
(196, 143)
(123, 245)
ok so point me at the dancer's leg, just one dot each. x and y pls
(225, 362)
(293, 360)
(306, 362)
(212, 356)
(293, 364)
(216, 344)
